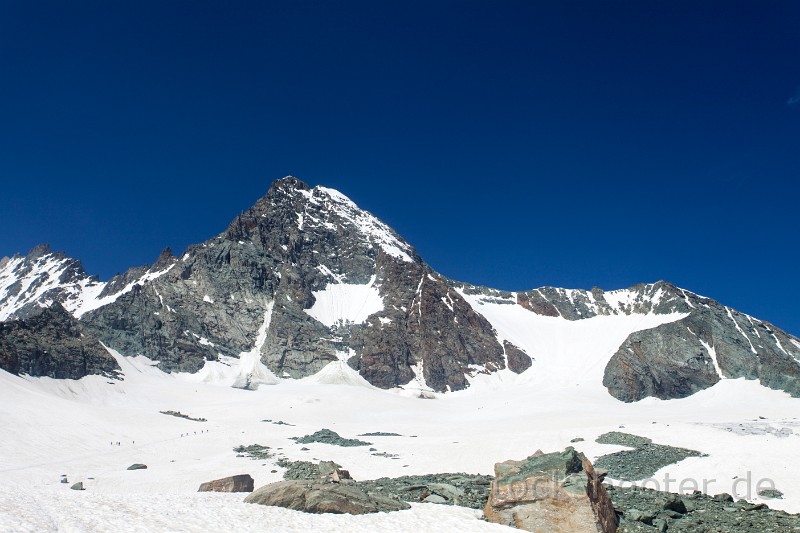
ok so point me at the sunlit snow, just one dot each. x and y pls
(346, 302)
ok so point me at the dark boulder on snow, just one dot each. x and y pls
(321, 497)
(137, 466)
(238, 483)
(326, 436)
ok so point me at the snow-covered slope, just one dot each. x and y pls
(42, 278)
(566, 353)
(57, 427)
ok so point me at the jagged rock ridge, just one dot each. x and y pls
(304, 278)
(268, 271)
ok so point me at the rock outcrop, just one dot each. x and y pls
(713, 342)
(53, 344)
(551, 493)
(322, 497)
(238, 483)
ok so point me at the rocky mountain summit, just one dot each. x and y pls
(304, 278)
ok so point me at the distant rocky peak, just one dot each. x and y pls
(292, 217)
(288, 183)
(40, 279)
(164, 261)
(38, 251)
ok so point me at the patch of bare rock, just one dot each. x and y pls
(238, 483)
(551, 493)
(333, 492)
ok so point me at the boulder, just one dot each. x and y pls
(137, 466)
(238, 483)
(321, 497)
(78, 486)
(332, 472)
(551, 493)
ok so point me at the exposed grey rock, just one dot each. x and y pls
(677, 359)
(642, 510)
(52, 343)
(299, 470)
(326, 436)
(643, 461)
(137, 466)
(771, 493)
(78, 486)
(237, 483)
(269, 262)
(466, 490)
(178, 414)
(518, 361)
(254, 451)
(320, 497)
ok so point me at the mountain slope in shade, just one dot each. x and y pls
(305, 279)
(52, 344)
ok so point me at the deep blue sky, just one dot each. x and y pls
(515, 144)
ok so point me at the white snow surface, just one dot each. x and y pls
(54, 427)
(346, 302)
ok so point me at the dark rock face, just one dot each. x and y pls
(664, 362)
(52, 344)
(238, 483)
(677, 359)
(518, 361)
(264, 270)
